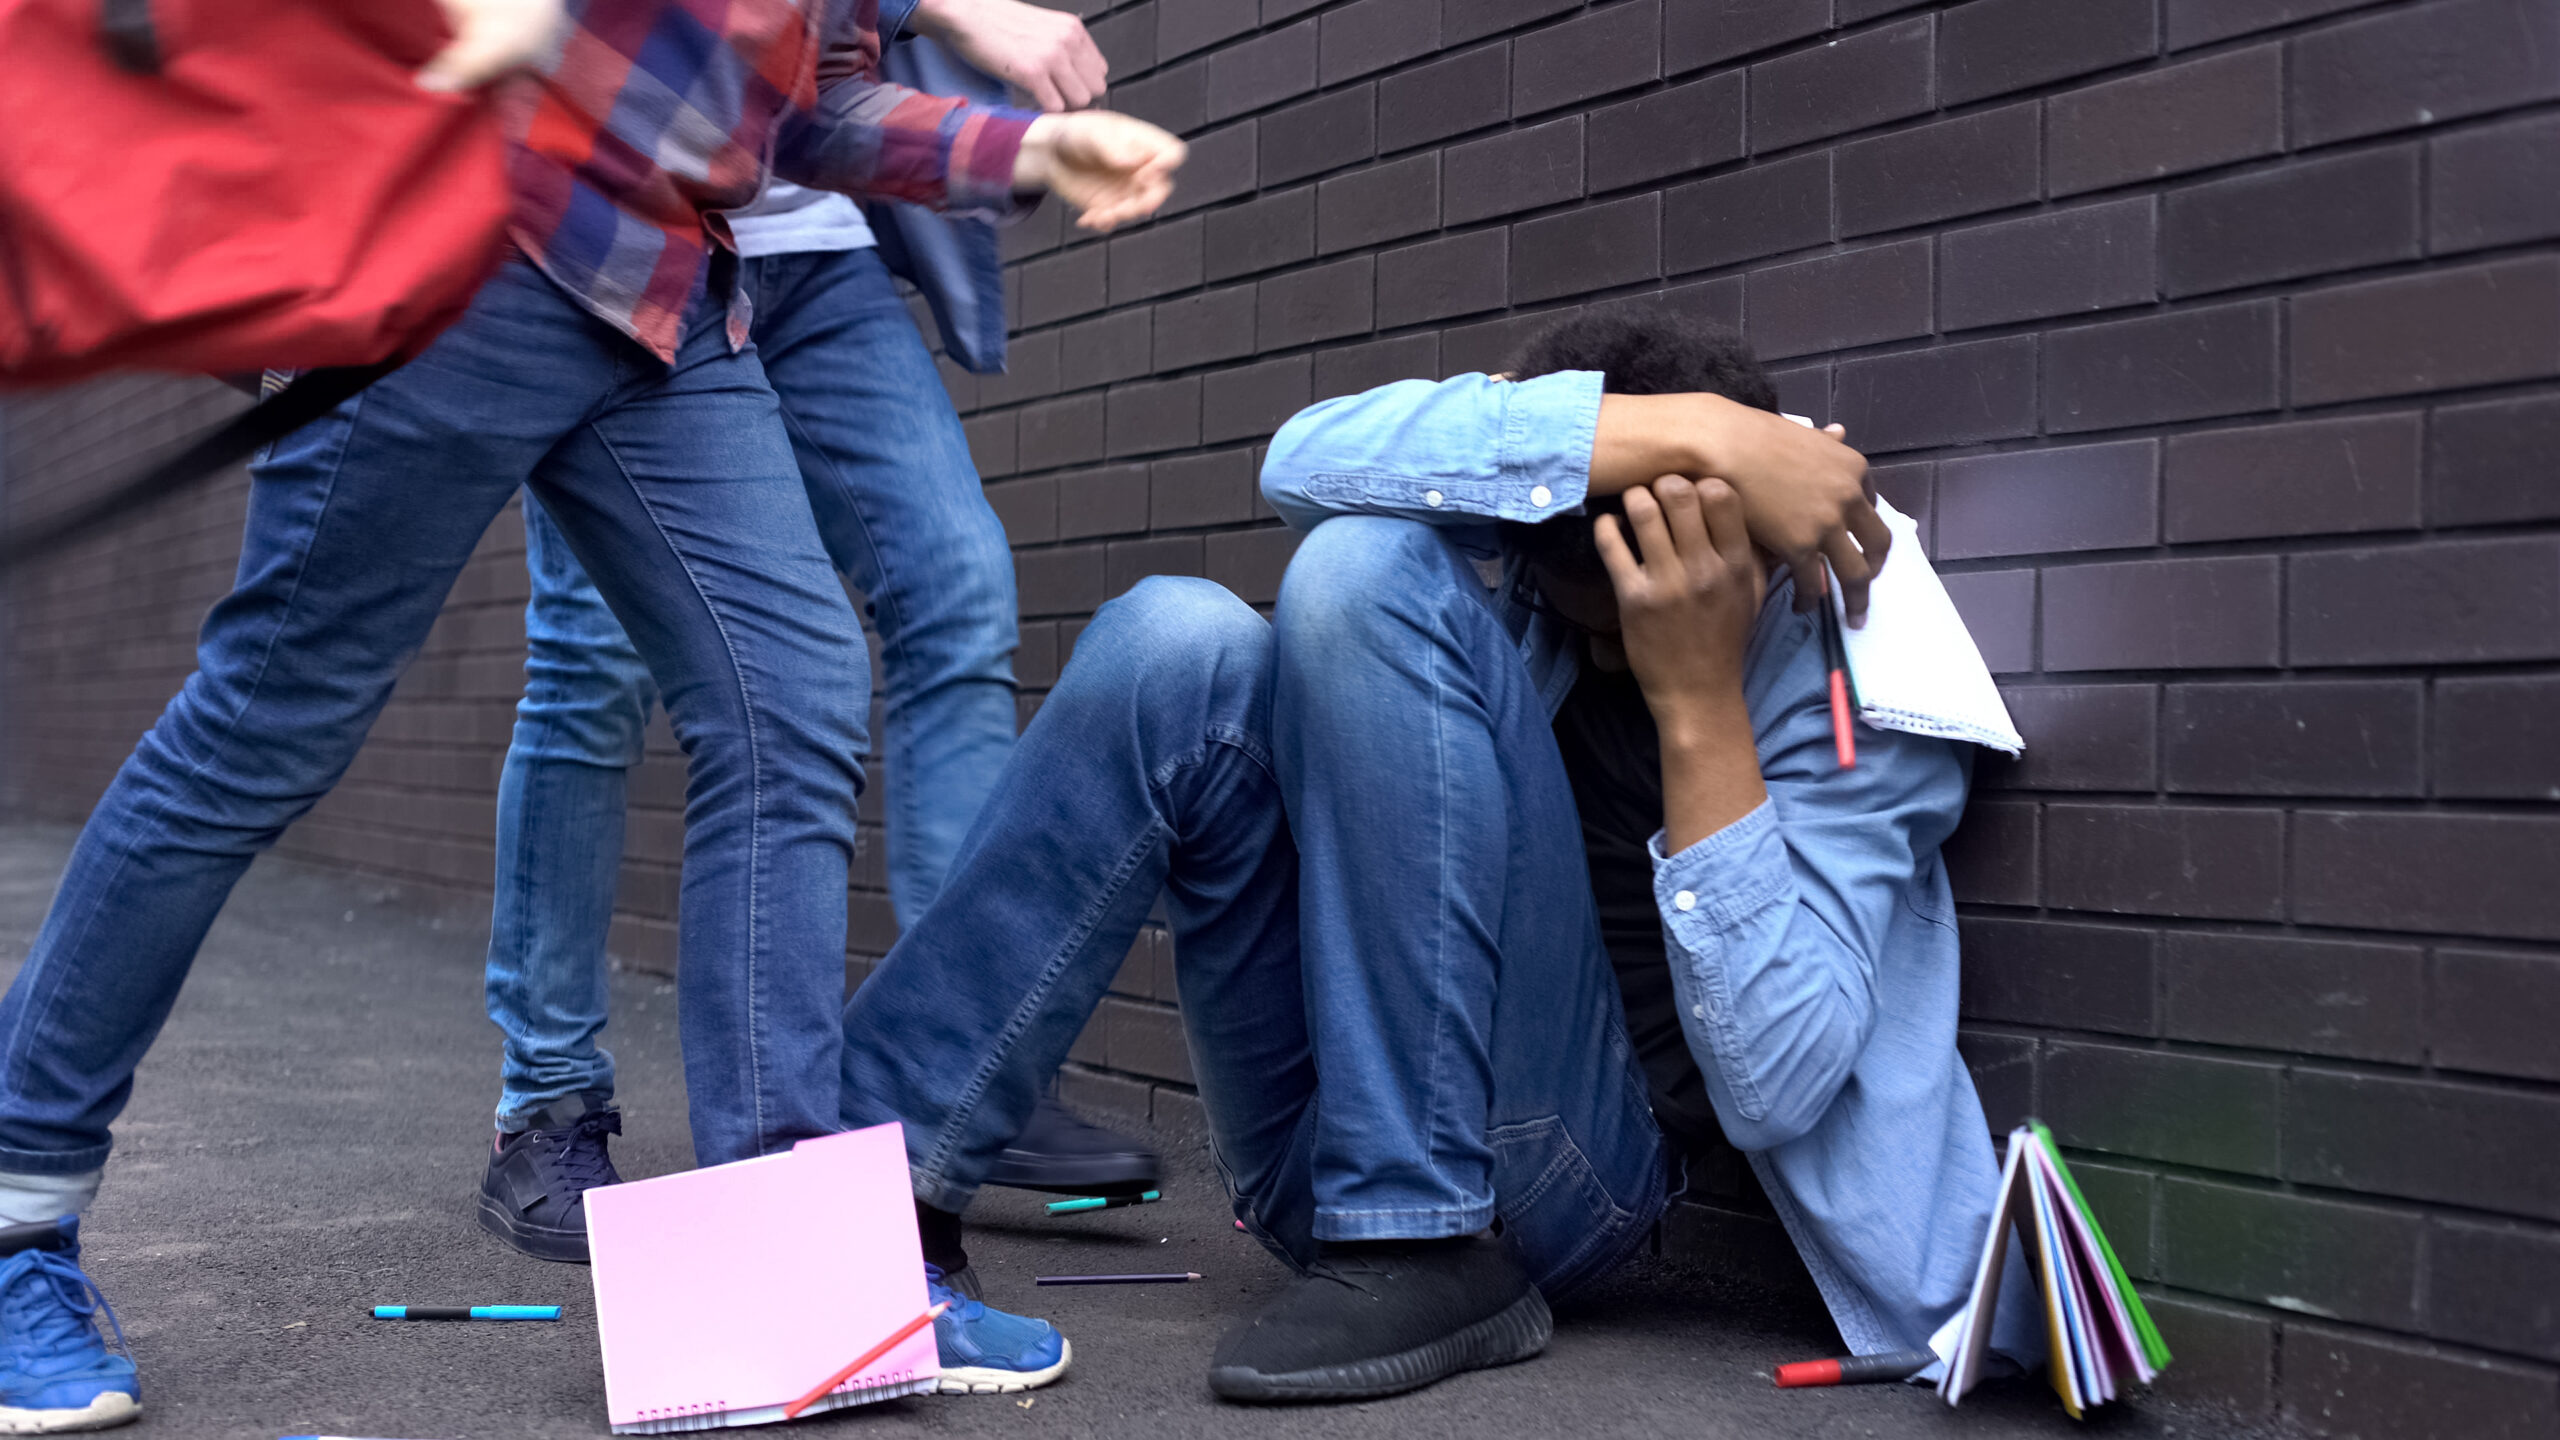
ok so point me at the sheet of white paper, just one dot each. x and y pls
(1914, 664)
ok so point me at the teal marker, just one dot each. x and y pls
(1103, 1202)
(466, 1312)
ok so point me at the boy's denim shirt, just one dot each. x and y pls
(1812, 943)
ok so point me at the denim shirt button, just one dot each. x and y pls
(1539, 495)
(1685, 900)
(1699, 1011)
(1431, 498)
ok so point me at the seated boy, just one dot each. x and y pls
(1414, 834)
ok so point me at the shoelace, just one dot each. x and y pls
(582, 1158)
(70, 1325)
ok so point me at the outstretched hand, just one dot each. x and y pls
(1113, 169)
(490, 38)
(1046, 54)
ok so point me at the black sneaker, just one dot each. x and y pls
(1384, 1317)
(534, 1196)
(1058, 1152)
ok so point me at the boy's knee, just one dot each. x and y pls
(1177, 617)
(1355, 573)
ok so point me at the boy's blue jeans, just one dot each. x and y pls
(900, 511)
(1401, 1017)
(676, 486)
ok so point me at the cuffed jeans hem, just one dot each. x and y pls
(1431, 1223)
(52, 1162)
(29, 1199)
(517, 1117)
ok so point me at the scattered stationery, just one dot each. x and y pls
(466, 1312)
(1118, 1279)
(819, 1391)
(2099, 1337)
(1104, 1202)
(1855, 1369)
(723, 1293)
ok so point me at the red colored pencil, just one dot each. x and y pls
(792, 1410)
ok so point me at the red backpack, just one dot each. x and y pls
(215, 186)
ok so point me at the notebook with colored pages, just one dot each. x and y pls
(724, 1294)
(2099, 1338)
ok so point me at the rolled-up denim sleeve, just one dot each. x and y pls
(1463, 451)
(1777, 922)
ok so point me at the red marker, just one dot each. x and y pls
(1835, 664)
(1855, 1369)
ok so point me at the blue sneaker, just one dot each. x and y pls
(988, 1352)
(55, 1371)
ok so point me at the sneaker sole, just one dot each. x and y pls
(1517, 1333)
(1110, 1175)
(542, 1242)
(113, 1408)
(979, 1380)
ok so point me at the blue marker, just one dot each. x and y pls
(466, 1312)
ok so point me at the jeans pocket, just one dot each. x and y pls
(1559, 1212)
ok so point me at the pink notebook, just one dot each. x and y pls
(724, 1294)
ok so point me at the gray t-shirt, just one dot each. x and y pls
(789, 219)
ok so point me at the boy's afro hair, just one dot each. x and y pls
(1650, 354)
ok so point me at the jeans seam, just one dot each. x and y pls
(1440, 1037)
(755, 778)
(38, 1004)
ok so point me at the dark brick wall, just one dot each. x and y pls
(2215, 342)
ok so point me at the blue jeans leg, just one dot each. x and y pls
(561, 801)
(1147, 768)
(899, 505)
(900, 511)
(1462, 1009)
(676, 487)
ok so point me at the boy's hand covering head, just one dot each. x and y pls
(1803, 492)
(1112, 168)
(1689, 591)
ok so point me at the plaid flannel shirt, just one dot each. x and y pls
(654, 115)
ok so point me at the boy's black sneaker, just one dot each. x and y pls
(1383, 1317)
(1059, 1153)
(534, 1194)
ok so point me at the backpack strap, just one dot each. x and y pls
(131, 40)
(312, 394)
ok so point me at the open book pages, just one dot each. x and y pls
(2099, 1338)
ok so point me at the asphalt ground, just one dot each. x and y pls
(306, 1139)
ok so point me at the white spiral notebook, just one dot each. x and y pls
(1914, 666)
